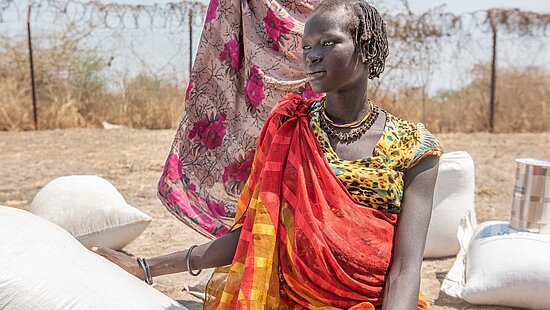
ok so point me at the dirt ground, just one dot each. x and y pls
(133, 159)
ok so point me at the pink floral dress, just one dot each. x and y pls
(249, 57)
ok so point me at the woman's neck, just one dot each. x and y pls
(347, 106)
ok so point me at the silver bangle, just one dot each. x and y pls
(188, 262)
(142, 262)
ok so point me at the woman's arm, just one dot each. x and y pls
(403, 280)
(219, 252)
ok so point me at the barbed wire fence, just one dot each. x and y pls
(479, 71)
(117, 27)
(129, 64)
(141, 54)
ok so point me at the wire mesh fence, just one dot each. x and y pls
(96, 62)
(129, 64)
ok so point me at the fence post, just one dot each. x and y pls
(493, 23)
(33, 90)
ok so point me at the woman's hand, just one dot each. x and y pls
(215, 253)
(124, 261)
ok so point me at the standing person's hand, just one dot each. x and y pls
(124, 261)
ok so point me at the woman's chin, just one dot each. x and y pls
(318, 87)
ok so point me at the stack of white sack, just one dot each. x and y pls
(453, 198)
(91, 209)
(498, 265)
(44, 267)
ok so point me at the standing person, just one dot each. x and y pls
(336, 209)
(248, 58)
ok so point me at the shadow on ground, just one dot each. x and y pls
(191, 305)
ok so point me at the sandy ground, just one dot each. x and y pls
(132, 160)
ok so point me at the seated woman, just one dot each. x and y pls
(337, 206)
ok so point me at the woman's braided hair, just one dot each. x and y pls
(367, 29)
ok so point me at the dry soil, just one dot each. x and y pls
(133, 159)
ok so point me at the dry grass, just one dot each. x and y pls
(14, 115)
(144, 102)
(74, 91)
(521, 103)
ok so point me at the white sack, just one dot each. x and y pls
(44, 267)
(453, 198)
(91, 209)
(499, 265)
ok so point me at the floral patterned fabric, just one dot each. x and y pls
(249, 57)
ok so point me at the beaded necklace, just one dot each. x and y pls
(357, 128)
(350, 125)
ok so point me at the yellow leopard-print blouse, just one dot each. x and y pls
(378, 181)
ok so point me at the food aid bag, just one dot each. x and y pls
(499, 265)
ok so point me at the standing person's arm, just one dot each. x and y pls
(217, 253)
(403, 281)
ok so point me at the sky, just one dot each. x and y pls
(419, 6)
(445, 73)
(461, 6)
(442, 74)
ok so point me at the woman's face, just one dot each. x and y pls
(329, 54)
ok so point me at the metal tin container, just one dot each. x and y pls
(531, 198)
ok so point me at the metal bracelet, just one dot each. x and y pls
(188, 262)
(142, 262)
